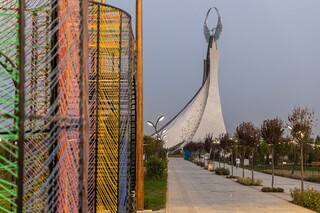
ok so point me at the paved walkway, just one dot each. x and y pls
(193, 189)
(285, 183)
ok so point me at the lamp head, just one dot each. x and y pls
(161, 118)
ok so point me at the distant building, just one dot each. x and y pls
(203, 114)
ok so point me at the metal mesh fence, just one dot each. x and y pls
(9, 119)
(41, 104)
(111, 73)
(52, 103)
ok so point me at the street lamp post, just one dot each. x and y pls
(160, 136)
(155, 127)
(216, 143)
(301, 156)
(293, 151)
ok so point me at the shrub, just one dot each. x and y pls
(269, 189)
(156, 168)
(230, 176)
(309, 198)
(248, 181)
(278, 189)
(198, 163)
(222, 171)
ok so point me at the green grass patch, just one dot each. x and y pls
(262, 167)
(312, 176)
(155, 193)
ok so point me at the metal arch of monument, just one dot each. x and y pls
(203, 114)
(67, 130)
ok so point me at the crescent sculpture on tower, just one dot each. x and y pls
(202, 115)
(216, 31)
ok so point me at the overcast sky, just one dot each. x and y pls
(269, 57)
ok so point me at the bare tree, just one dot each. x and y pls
(301, 123)
(271, 132)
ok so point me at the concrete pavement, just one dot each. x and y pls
(193, 189)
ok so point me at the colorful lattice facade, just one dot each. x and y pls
(9, 109)
(110, 81)
(44, 166)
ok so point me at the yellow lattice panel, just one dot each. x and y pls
(108, 111)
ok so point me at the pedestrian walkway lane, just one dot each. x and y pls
(285, 183)
(191, 189)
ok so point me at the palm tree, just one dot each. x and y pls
(271, 132)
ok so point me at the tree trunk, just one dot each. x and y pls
(244, 154)
(219, 158)
(301, 144)
(252, 166)
(224, 159)
(231, 162)
(272, 180)
(294, 159)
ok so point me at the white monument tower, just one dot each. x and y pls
(203, 114)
